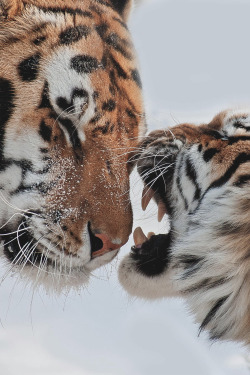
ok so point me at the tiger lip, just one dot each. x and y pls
(147, 194)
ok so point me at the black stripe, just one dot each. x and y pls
(136, 77)
(119, 70)
(240, 159)
(64, 10)
(45, 102)
(207, 283)
(102, 2)
(74, 34)
(7, 106)
(102, 29)
(190, 263)
(212, 313)
(191, 174)
(45, 131)
(213, 133)
(232, 140)
(109, 105)
(84, 64)
(37, 41)
(123, 24)
(28, 69)
(119, 45)
(209, 154)
(239, 125)
(242, 180)
(178, 183)
(72, 131)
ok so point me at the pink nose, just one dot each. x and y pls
(107, 245)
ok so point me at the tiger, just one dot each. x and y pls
(71, 109)
(199, 175)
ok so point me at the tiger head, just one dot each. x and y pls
(71, 112)
(199, 176)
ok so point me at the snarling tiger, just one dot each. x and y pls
(70, 110)
(200, 176)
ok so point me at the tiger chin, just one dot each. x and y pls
(200, 177)
(71, 111)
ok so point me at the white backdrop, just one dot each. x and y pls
(195, 60)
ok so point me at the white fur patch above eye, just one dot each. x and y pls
(63, 82)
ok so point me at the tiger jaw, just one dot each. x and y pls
(48, 259)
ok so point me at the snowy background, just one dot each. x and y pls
(195, 61)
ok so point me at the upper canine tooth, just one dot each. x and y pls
(147, 195)
(139, 236)
(161, 211)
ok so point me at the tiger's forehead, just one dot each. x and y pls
(78, 56)
(39, 17)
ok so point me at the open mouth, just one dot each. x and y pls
(147, 195)
(150, 252)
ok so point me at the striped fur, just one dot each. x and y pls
(202, 174)
(71, 111)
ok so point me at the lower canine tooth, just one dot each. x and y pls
(139, 236)
(150, 234)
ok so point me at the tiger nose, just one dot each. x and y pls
(101, 243)
(104, 245)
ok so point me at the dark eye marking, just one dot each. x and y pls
(28, 69)
(130, 113)
(239, 125)
(69, 106)
(84, 64)
(74, 34)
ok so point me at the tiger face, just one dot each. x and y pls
(71, 111)
(199, 176)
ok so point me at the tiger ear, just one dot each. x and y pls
(10, 8)
(123, 7)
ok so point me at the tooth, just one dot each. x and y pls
(161, 211)
(139, 236)
(147, 195)
(150, 234)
